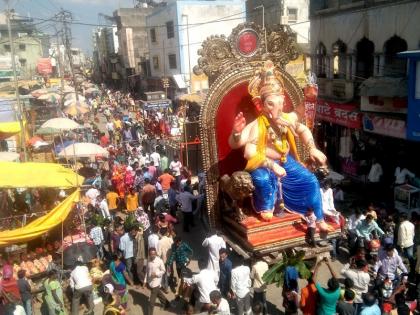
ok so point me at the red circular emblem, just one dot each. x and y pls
(247, 43)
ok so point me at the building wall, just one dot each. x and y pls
(376, 23)
(27, 50)
(276, 12)
(132, 36)
(193, 13)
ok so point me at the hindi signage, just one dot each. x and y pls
(341, 114)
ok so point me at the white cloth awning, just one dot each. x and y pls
(180, 81)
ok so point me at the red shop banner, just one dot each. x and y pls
(346, 115)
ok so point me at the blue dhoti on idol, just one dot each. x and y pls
(300, 189)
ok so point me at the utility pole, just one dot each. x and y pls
(67, 35)
(19, 104)
(189, 55)
(60, 67)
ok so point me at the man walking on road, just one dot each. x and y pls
(214, 243)
(155, 270)
(81, 284)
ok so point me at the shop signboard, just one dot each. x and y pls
(383, 104)
(44, 66)
(387, 126)
(345, 115)
(156, 104)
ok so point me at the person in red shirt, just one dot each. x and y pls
(165, 180)
(104, 140)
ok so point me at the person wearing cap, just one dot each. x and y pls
(360, 278)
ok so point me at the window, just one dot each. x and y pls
(339, 50)
(172, 61)
(170, 29)
(292, 14)
(22, 47)
(7, 48)
(22, 62)
(364, 58)
(153, 35)
(394, 66)
(321, 53)
(156, 62)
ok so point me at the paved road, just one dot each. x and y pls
(138, 298)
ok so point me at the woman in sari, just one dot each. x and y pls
(120, 278)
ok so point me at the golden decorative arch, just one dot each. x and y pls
(218, 90)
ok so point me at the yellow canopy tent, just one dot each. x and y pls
(32, 175)
(42, 224)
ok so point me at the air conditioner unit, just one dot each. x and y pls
(284, 20)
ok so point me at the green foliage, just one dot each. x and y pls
(130, 221)
(276, 273)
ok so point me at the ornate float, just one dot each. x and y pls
(245, 70)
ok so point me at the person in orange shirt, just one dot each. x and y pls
(309, 298)
(165, 180)
(112, 200)
(132, 200)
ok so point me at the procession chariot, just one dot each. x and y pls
(248, 197)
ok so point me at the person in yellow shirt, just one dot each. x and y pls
(117, 123)
(112, 200)
(132, 200)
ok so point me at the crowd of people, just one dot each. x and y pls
(142, 206)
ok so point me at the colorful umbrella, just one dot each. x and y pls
(61, 124)
(82, 149)
(75, 110)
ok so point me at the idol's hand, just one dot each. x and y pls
(278, 170)
(318, 157)
(239, 123)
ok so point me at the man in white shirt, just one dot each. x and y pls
(259, 267)
(240, 287)
(401, 174)
(220, 304)
(153, 239)
(175, 166)
(155, 270)
(103, 206)
(327, 196)
(406, 232)
(352, 223)
(110, 128)
(81, 283)
(127, 248)
(93, 195)
(155, 157)
(206, 282)
(360, 278)
(214, 243)
(375, 172)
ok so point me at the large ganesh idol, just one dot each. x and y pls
(258, 152)
(271, 152)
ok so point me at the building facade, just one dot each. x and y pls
(294, 13)
(176, 32)
(29, 46)
(362, 110)
(132, 43)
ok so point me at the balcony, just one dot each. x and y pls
(341, 90)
